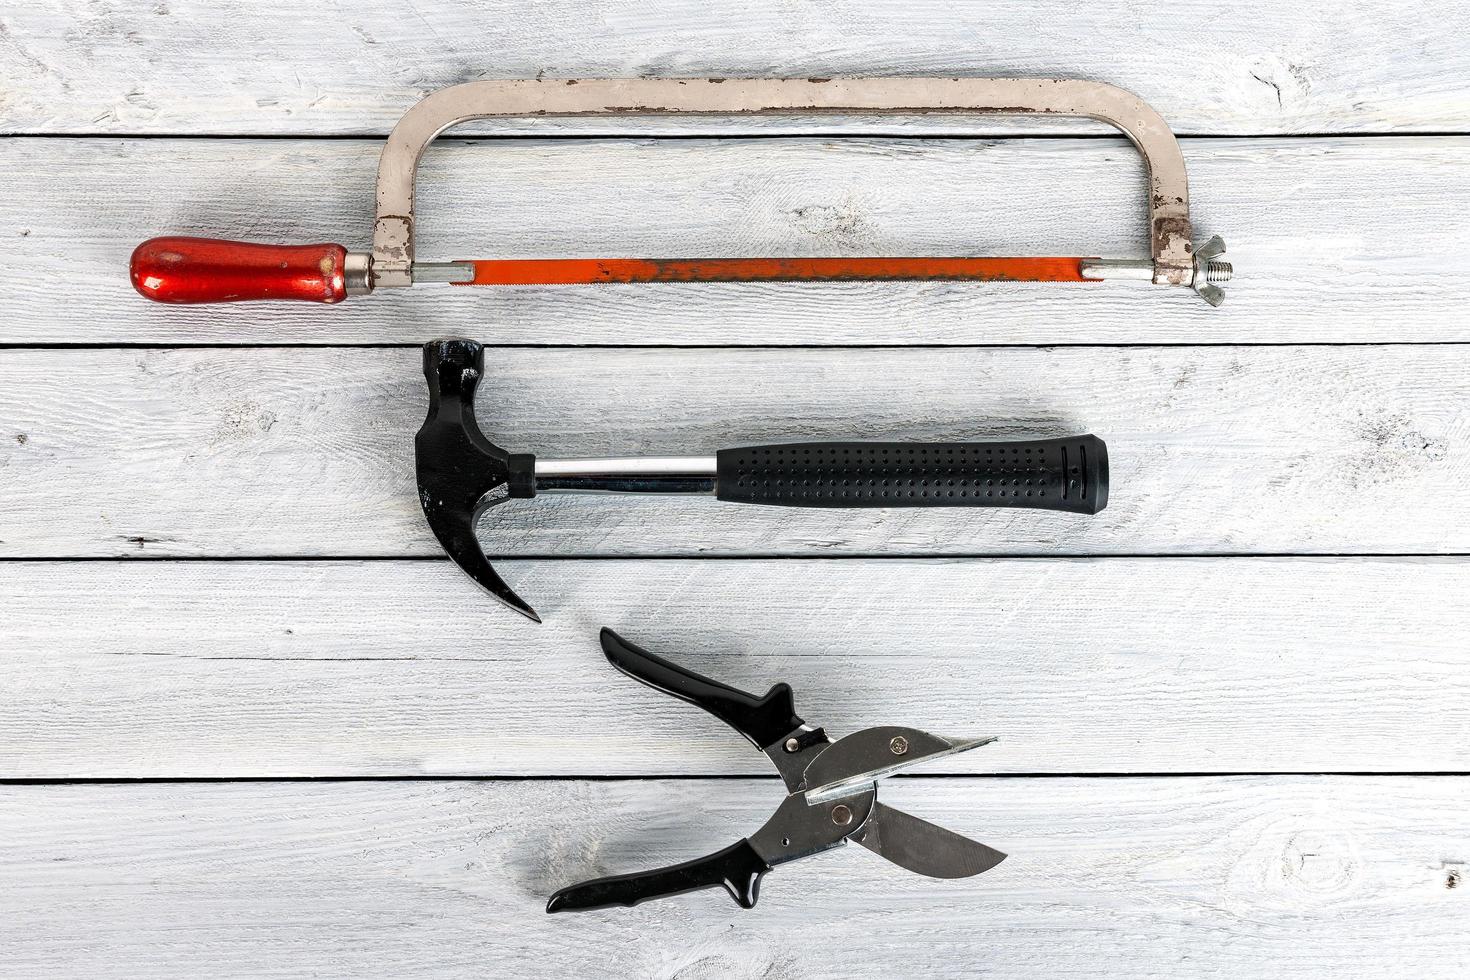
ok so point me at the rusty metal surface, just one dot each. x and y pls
(553, 272)
(1168, 200)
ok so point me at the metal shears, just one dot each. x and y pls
(832, 795)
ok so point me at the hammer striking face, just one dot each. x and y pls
(461, 473)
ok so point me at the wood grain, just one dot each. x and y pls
(307, 452)
(1093, 666)
(244, 669)
(1248, 67)
(1326, 235)
(1284, 877)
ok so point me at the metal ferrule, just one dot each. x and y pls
(357, 273)
(645, 474)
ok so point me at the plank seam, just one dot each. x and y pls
(85, 346)
(686, 137)
(713, 777)
(1038, 556)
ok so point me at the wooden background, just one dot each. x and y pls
(253, 724)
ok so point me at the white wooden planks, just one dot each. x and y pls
(307, 452)
(245, 669)
(1246, 876)
(231, 66)
(1112, 664)
(1327, 235)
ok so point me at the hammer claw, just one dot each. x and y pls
(479, 569)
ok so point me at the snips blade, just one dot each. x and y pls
(920, 846)
(864, 757)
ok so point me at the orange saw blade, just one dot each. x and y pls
(558, 272)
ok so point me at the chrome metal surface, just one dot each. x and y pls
(645, 474)
(797, 830)
(866, 756)
(920, 846)
(461, 272)
(899, 745)
(1168, 184)
(1139, 270)
(357, 273)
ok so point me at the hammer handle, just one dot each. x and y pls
(1068, 474)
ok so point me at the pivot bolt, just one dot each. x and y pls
(792, 745)
(899, 745)
(841, 815)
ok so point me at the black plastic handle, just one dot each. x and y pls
(764, 720)
(1044, 474)
(738, 869)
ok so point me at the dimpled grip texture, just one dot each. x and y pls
(1068, 474)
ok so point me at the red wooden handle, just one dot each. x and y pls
(208, 270)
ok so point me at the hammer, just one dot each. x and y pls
(461, 474)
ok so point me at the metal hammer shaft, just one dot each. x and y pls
(649, 474)
(1069, 474)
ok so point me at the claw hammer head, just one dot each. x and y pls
(461, 474)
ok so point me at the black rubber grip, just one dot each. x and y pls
(738, 868)
(1068, 474)
(764, 720)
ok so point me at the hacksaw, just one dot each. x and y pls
(202, 270)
